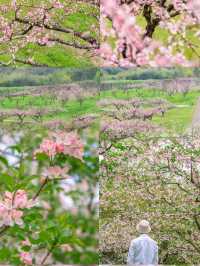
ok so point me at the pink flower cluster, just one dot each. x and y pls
(6, 30)
(62, 142)
(44, 40)
(56, 172)
(11, 207)
(26, 258)
(57, 4)
(126, 43)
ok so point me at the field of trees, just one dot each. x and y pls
(148, 165)
(149, 169)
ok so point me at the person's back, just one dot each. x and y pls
(143, 250)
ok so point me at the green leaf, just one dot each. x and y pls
(4, 253)
(41, 157)
(4, 161)
(16, 148)
(7, 180)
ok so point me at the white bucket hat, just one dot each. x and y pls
(143, 227)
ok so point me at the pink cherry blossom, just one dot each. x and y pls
(57, 4)
(26, 242)
(26, 258)
(56, 172)
(9, 216)
(163, 60)
(107, 52)
(62, 142)
(126, 43)
(48, 147)
(11, 207)
(44, 40)
(69, 144)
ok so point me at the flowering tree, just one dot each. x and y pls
(152, 185)
(150, 32)
(135, 108)
(174, 86)
(26, 27)
(148, 174)
(19, 114)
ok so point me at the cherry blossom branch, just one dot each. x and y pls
(57, 28)
(73, 44)
(41, 188)
(151, 23)
(47, 180)
(135, 46)
(191, 45)
(40, 25)
(29, 62)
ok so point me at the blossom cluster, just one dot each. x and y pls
(115, 130)
(134, 45)
(61, 142)
(26, 258)
(11, 207)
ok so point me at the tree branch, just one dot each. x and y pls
(196, 221)
(41, 188)
(151, 23)
(49, 251)
(57, 28)
(29, 62)
(5, 228)
(73, 44)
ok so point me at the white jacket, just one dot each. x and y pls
(143, 251)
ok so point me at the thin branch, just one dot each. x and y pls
(49, 251)
(41, 188)
(175, 183)
(196, 221)
(28, 62)
(57, 28)
(73, 44)
(5, 228)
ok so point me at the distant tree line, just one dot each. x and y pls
(15, 77)
(147, 73)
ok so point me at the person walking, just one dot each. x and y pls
(143, 250)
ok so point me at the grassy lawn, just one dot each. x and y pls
(177, 120)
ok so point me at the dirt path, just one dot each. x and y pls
(196, 116)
